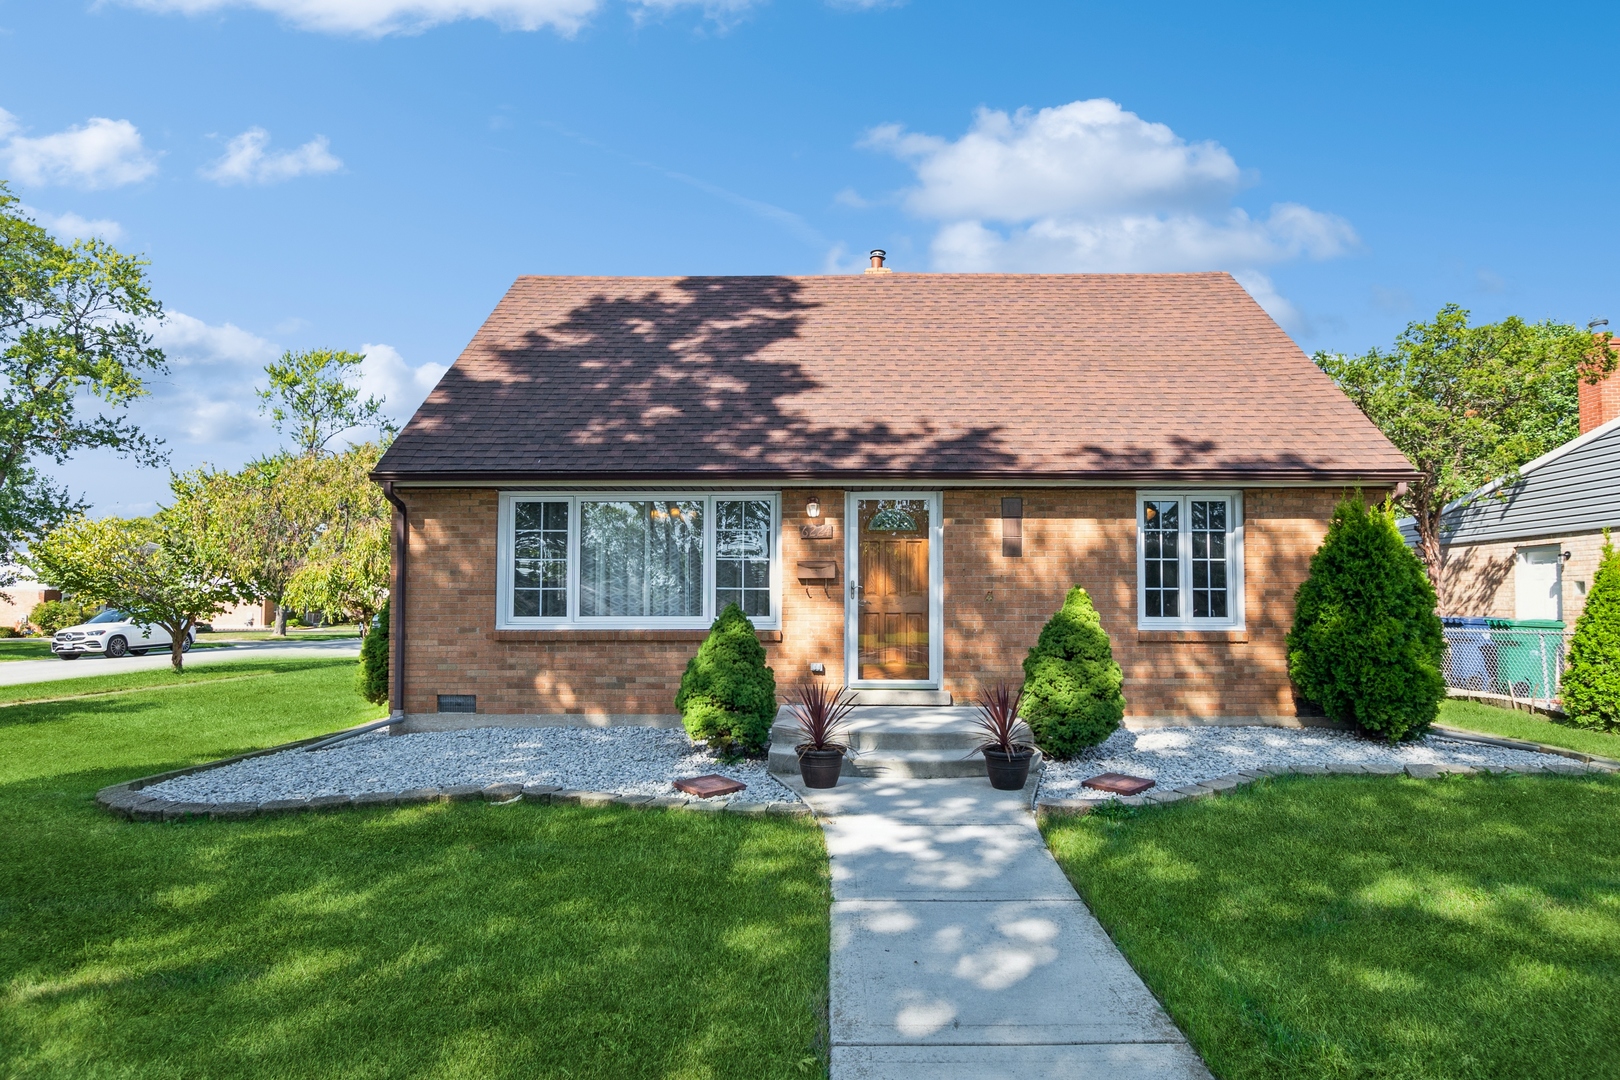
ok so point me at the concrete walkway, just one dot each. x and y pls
(961, 951)
(18, 672)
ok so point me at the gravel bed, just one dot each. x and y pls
(622, 760)
(1175, 757)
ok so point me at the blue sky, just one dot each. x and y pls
(371, 174)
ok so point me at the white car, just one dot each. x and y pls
(112, 634)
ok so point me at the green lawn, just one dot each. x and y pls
(1531, 727)
(433, 941)
(25, 648)
(1333, 927)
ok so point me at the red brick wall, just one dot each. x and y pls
(994, 608)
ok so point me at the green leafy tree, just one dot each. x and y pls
(345, 571)
(313, 396)
(728, 695)
(1470, 404)
(1591, 687)
(1073, 689)
(163, 571)
(372, 678)
(1366, 644)
(268, 516)
(75, 330)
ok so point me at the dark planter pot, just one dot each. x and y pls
(820, 768)
(1008, 772)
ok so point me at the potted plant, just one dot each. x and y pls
(1008, 746)
(821, 712)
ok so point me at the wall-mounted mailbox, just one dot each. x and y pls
(818, 571)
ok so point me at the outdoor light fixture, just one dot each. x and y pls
(812, 507)
(1568, 555)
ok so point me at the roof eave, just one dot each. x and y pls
(1378, 477)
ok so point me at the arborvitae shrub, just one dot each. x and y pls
(1591, 690)
(1366, 645)
(372, 678)
(1072, 696)
(728, 696)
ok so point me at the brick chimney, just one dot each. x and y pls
(1600, 403)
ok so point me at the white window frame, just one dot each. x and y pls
(505, 620)
(1234, 561)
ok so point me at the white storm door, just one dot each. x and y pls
(1538, 583)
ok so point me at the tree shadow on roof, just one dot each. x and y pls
(675, 379)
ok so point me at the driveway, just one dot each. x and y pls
(18, 672)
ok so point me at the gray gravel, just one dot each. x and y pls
(623, 760)
(1175, 757)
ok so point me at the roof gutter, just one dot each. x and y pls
(1170, 477)
(396, 621)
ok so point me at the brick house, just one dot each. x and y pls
(898, 476)
(1530, 550)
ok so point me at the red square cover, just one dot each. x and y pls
(707, 787)
(1118, 783)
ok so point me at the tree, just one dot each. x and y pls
(1591, 688)
(312, 394)
(1366, 645)
(1073, 689)
(267, 518)
(75, 326)
(162, 571)
(346, 569)
(1470, 404)
(727, 696)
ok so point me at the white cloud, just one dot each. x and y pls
(1266, 295)
(403, 388)
(374, 18)
(1089, 186)
(100, 153)
(246, 161)
(71, 226)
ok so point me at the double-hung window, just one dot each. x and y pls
(625, 561)
(1189, 559)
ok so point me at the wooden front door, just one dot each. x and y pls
(893, 590)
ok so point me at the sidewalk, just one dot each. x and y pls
(961, 951)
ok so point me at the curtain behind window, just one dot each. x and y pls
(641, 559)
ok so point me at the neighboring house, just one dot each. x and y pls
(1529, 551)
(898, 476)
(18, 601)
(251, 616)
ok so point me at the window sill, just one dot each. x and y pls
(570, 634)
(1167, 636)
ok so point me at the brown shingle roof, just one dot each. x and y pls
(1134, 377)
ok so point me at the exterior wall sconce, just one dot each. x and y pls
(812, 508)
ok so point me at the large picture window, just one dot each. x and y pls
(633, 560)
(1190, 559)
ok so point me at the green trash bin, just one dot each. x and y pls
(1529, 656)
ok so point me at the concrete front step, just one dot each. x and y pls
(896, 742)
(912, 698)
(896, 764)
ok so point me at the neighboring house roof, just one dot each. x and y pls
(1573, 489)
(1030, 377)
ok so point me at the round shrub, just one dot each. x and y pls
(1591, 690)
(372, 678)
(1366, 645)
(728, 696)
(1072, 696)
(49, 616)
